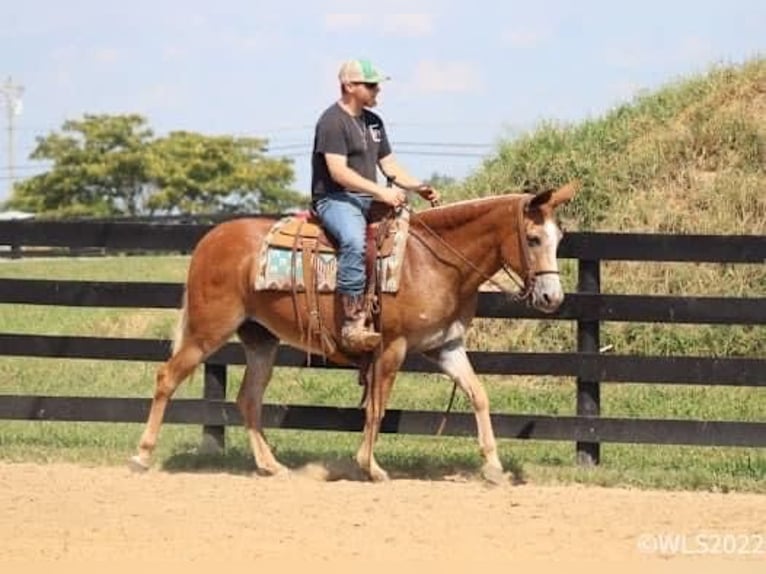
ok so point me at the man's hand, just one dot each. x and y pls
(392, 196)
(428, 193)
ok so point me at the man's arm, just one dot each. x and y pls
(349, 179)
(393, 169)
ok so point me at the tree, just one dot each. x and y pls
(98, 169)
(113, 165)
(195, 174)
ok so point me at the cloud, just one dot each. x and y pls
(248, 44)
(456, 76)
(694, 49)
(173, 53)
(341, 21)
(628, 57)
(411, 25)
(527, 38)
(195, 20)
(106, 55)
(635, 54)
(261, 42)
(65, 53)
(162, 97)
(63, 60)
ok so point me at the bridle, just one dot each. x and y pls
(527, 284)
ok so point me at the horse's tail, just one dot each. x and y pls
(180, 330)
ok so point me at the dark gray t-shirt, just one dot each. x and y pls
(361, 139)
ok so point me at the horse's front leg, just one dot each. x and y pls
(453, 360)
(386, 367)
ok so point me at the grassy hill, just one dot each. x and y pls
(689, 158)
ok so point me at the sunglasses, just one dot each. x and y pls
(368, 85)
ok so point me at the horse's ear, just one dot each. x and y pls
(541, 199)
(565, 193)
(554, 197)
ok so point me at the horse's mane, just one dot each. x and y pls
(454, 214)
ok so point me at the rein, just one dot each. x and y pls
(527, 286)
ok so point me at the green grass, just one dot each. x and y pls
(673, 467)
(433, 458)
(170, 268)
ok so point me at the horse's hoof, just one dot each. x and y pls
(278, 471)
(135, 464)
(493, 475)
(379, 475)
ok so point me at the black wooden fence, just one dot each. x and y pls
(588, 307)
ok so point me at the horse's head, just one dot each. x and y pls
(542, 237)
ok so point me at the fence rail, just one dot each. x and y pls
(167, 237)
(727, 371)
(588, 307)
(541, 427)
(576, 306)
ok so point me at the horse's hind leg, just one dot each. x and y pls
(453, 360)
(191, 346)
(169, 376)
(386, 367)
(260, 351)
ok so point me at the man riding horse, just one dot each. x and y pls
(452, 249)
(350, 142)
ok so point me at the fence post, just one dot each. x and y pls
(588, 392)
(214, 436)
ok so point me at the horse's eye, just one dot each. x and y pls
(533, 241)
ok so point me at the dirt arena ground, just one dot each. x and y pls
(59, 515)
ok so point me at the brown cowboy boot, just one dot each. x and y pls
(355, 336)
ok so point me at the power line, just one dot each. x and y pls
(303, 149)
(440, 153)
(297, 154)
(279, 147)
(471, 145)
(445, 144)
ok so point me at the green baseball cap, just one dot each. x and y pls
(360, 71)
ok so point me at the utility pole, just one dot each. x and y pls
(12, 95)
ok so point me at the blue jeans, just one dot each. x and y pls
(344, 217)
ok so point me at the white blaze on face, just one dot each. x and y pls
(548, 293)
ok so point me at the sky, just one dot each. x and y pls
(465, 75)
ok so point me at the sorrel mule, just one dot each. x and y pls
(450, 252)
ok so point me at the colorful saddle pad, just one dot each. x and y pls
(281, 258)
